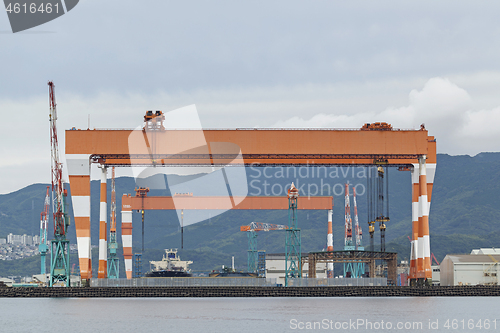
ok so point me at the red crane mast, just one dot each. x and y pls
(59, 254)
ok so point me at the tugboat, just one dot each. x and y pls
(170, 266)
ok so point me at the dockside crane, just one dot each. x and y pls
(351, 269)
(357, 227)
(113, 262)
(358, 268)
(348, 244)
(42, 246)
(59, 253)
(252, 230)
(293, 241)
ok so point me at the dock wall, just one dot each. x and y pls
(389, 291)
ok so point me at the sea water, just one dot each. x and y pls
(155, 315)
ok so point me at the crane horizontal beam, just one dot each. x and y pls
(224, 202)
(252, 147)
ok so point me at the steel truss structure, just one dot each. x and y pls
(355, 257)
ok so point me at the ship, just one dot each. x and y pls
(170, 266)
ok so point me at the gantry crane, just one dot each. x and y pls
(372, 145)
(59, 252)
(113, 262)
(252, 230)
(42, 246)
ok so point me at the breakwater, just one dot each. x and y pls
(378, 291)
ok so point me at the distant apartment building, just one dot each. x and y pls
(3, 241)
(14, 239)
(22, 240)
(27, 240)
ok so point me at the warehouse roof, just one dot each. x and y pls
(490, 250)
(473, 258)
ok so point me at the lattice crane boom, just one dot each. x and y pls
(56, 166)
(259, 226)
(59, 266)
(348, 221)
(357, 227)
(42, 246)
(44, 218)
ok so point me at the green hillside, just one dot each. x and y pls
(464, 214)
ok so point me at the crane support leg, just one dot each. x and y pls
(127, 241)
(252, 251)
(79, 177)
(415, 224)
(103, 238)
(329, 242)
(424, 273)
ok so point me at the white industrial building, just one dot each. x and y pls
(436, 275)
(275, 268)
(481, 267)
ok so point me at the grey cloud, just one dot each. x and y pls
(130, 46)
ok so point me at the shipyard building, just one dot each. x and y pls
(478, 268)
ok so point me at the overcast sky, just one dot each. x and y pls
(252, 63)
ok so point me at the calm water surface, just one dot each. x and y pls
(251, 314)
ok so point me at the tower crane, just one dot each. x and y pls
(59, 253)
(293, 242)
(357, 227)
(352, 269)
(252, 230)
(113, 262)
(348, 244)
(358, 268)
(42, 247)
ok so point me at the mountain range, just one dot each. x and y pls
(464, 214)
